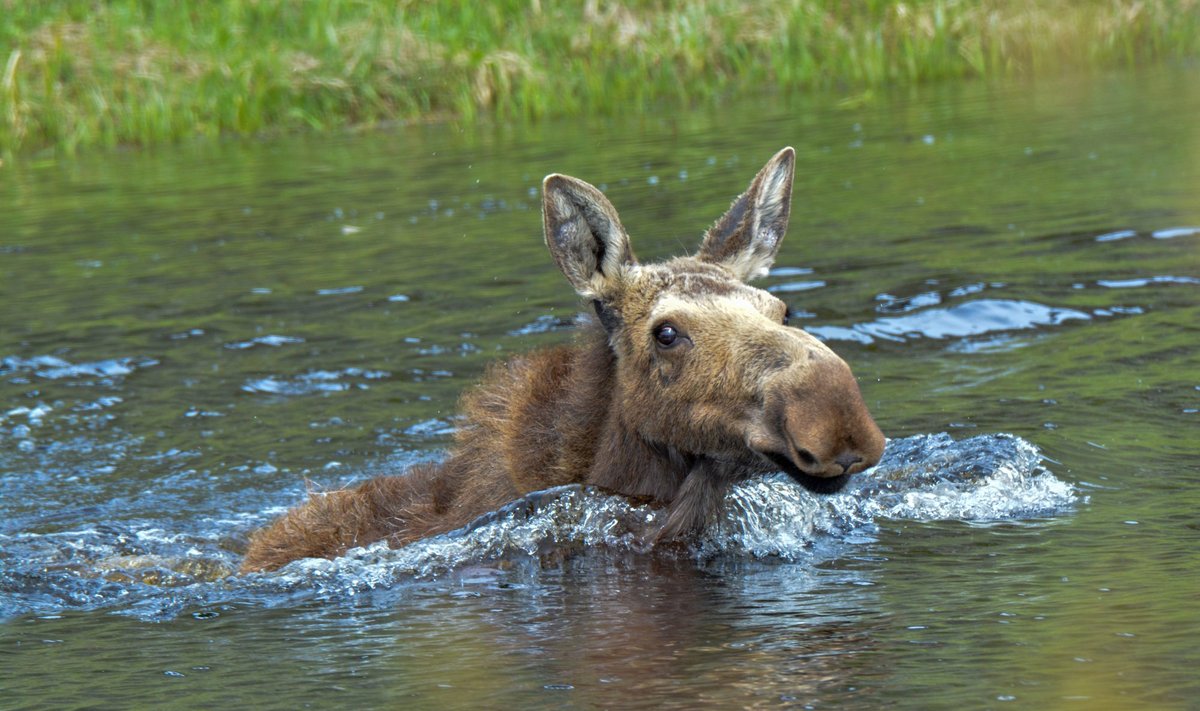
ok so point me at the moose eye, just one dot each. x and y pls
(666, 335)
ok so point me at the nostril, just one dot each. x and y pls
(806, 458)
(847, 460)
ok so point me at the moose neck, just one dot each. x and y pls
(622, 460)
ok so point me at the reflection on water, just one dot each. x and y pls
(192, 338)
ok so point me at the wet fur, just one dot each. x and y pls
(743, 395)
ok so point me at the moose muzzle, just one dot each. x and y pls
(816, 427)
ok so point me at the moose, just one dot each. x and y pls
(685, 381)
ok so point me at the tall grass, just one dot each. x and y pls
(148, 71)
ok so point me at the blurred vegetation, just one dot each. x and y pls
(78, 74)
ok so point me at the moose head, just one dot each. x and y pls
(707, 370)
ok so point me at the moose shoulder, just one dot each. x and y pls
(686, 381)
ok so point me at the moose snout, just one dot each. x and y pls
(818, 429)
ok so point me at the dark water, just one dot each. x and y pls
(190, 335)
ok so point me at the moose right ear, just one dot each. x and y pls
(584, 234)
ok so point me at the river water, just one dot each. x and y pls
(193, 336)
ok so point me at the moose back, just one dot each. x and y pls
(684, 382)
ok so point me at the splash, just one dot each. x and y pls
(153, 570)
(923, 478)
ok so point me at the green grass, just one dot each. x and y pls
(80, 74)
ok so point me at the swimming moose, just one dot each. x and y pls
(685, 381)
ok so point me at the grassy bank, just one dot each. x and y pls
(78, 74)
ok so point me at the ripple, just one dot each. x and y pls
(269, 340)
(1146, 281)
(889, 304)
(55, 368)
(317, 381)
(338, 291)
(1173, 232)
(545, 324)
(789, 271)
(973, 318)
(33, 415)
(431, 428)
(792, 287)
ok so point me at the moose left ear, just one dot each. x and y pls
(747, 237)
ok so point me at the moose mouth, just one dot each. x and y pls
(815, 484)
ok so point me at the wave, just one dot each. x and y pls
(152, 572)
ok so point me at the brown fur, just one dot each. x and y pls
(735, 394)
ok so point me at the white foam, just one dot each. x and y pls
(923, 478)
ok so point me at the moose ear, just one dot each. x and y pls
(584, 234)
(747, 237)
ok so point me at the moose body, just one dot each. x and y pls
(685, 381)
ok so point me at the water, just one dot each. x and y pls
(191, 337)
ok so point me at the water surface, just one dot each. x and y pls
(191, 337)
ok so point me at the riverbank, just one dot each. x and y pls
(80, 74)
